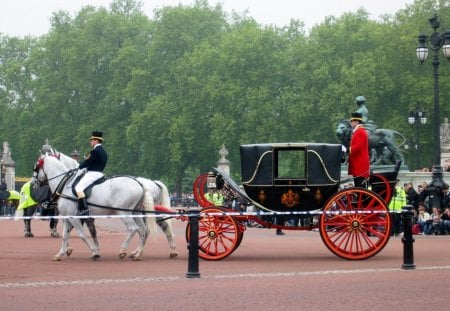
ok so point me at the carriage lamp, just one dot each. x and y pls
(416, 118)
(435, 42)
(318, 196)
(211, 181)
(261, 196)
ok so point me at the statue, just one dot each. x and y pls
(6, 152)
(362, 109)
(383, 149)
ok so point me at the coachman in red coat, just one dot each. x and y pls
(359, 160)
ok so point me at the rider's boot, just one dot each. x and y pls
(82, 205)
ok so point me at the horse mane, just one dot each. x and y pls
(67, 160)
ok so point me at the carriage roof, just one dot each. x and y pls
(308, 163)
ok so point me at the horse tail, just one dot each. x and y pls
(165, 197)
(165, 223)
(149, 208)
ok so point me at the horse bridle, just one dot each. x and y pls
(67, 176)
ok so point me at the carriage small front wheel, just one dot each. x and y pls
(355, 224)
(219, 234)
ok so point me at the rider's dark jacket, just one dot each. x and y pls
(95, 160)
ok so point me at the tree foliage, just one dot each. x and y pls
(168, 92)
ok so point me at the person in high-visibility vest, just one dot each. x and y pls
(11, 202)
(14, 195)
(395, 208)
(215, 197)
(27, 207)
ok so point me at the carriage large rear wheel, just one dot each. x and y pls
(355, 224)
(219, 235)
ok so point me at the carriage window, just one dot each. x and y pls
(291, 164)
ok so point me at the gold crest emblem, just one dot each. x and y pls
(290, 198)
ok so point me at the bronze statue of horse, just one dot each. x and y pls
(382, 146)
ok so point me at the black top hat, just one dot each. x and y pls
(97, 135)
(356, 116)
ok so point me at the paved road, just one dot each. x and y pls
(267, 272)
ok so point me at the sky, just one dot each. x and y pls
(32, 17)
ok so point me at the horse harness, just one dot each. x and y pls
(70, 174)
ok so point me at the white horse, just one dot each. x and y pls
(157, 189)
(71, 163)
(120, 195)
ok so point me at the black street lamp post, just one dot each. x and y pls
(416, 118)
(436, 41)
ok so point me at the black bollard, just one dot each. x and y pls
(408, 240)
(193, 271)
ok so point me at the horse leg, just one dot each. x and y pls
(27, 229)
(28, 212)
(395, 152)
(79, 227)
(93, 231)
(142, 230)
(166, 227)
(65, 248)
(131, 229)
(53, 224)
(69, 228)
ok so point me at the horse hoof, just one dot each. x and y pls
(134, 258)
(95, 257)
(28, 235)
(57, 258)
(173, 255)
(122, 255)
(69, 251)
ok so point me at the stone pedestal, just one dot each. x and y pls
(223, 164)
(404, 175)
(445, 156)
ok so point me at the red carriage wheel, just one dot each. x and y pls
(381, 186)
(355, 224)
(218, 234)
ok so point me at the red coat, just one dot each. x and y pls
(359, 160)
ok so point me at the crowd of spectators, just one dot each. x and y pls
(7, 208)
(428, 219)
(183, 200)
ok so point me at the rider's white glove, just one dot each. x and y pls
(344, 149)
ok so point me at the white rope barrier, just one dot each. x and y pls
(202, 214)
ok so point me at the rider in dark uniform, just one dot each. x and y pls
(94, 163)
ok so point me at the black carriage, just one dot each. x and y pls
(299, 183)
